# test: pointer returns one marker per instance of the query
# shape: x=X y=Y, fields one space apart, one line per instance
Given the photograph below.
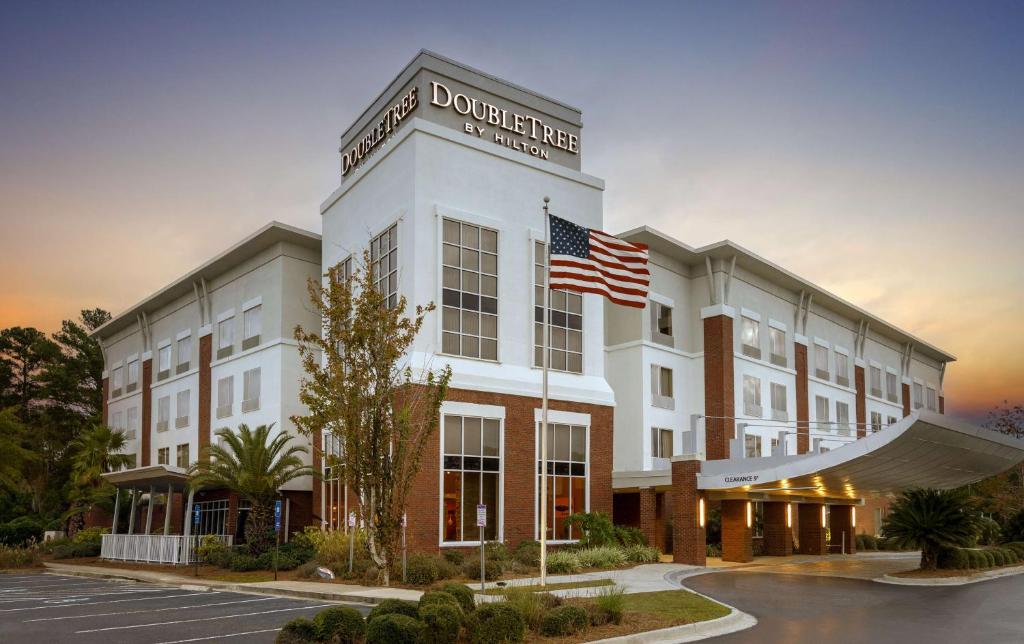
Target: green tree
x=96 y=451
x=931 y=520
x=255 y=466
x=361 y=387
x=15 y=456
x=25 y=353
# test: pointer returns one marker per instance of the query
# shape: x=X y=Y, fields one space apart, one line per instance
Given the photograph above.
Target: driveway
x=798 y=608
x=41 y=608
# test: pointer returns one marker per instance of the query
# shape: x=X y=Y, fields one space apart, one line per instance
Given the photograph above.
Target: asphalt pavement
x=798 y=609
x=42 y=608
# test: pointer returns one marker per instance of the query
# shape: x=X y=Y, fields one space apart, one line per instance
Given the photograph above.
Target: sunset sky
x=876 y=149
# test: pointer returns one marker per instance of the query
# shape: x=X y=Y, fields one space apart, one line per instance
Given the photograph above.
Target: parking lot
x=46 y=608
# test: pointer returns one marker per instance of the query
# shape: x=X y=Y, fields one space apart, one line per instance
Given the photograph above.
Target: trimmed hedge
x=567 y=619
x=394 y=628
x=463 y=595
x=297 y=631
x=340 y=625
x=442 y=621
x=492 y=568
x=496 y=623
x=435 y=597
x=395 y=607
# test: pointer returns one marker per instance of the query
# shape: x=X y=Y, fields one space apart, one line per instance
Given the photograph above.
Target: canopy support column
x=149 y=511
x=167 y=509
x=117 y=509
x=131 y=518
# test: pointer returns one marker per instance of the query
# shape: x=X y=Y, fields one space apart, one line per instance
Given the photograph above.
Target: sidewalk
x=296 y=589
x=644 y=578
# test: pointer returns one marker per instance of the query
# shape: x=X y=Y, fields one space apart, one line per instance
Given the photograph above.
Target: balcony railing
x=155 y=548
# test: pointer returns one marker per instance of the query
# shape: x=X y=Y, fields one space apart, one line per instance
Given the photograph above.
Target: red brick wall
x=205 y=393
x=719 y=383
x=147 y=410
x=737 y=536
x=689 y=540
x=300 y=511
x=778 y=537
x=519 y=467
x=906 y=400
x=649 y=515
x=942 y=404
x=626 y=509
x=106 y=400
x=840 y=518
x=862 y=401
x=803 y=438
x=812 y=534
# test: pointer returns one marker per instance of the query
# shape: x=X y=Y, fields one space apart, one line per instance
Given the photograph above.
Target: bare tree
x=361 y=387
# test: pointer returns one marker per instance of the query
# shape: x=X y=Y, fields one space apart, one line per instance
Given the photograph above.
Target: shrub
x=307 y=570
x=395 y=607
x=978 y=560
x=564 y=620
x=214 y=552
x=340 y=625
x=19 y=556
x=492 y=568
x=531 y=606
x=713 y=550
x=22 y=531
x=454 y=557
x=527 y=553
x=998 y=556
x=866 y=542
x=989 y=532
x=496 y=623
x=394 y=628
x=370 y=574
x=609 y=606
x=422 y=569
x=497 y=551
x=462 y=594
x=85 y=543
x=1016 y=546
x=931 y=520
x=630 y=536
x=953 y=559
x=432 y=597
x=242 y=562
x=563 y=562
x=298 y=549
x=297 y=631
x=990 y=557
x=285 y=561
x=601 y=557
x=641 y=554
x=442 y=621
x=596 y=528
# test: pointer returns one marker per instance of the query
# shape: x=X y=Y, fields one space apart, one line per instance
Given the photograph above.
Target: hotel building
x=736 y=367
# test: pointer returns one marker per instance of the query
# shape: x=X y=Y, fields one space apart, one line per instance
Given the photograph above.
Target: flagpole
x=544 y=402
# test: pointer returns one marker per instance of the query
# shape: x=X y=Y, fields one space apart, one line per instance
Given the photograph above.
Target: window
x=777 y=346
x=251 y=327
x=182 y=455
x=116 y=382
x=931 y=400
x=181 y=420
x=751 y=445
x=213 y=516
x=225 y=337
x=131 y=464
x=891 y=386
x=876 y=421
x=384 y=264
x=775 y=447
x=469 y=293
x=752 y=396
x=842 y=369
x=225 y=396
x=750 y=337
x=821 y=409
x=566 y=322
x=890 y=421
x=875 y=375
x=843 y=418
x=132 y=425
x=163 y=413
x=567 y=477
x=117 y=421
x=661 y=387
x=472 y=465
x=779 y=411
x=184 y=354
x=163 y=456
x=133 y=375
x=251 y=390
x=163 y=362
x=661 y=442
x=661 y=324
x=918 y=395
x=821 y=362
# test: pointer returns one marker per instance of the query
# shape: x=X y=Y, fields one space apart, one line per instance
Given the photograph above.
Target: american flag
x=590 y=261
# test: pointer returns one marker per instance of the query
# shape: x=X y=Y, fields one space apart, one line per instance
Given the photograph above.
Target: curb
x=961 y=580
x=735 y=621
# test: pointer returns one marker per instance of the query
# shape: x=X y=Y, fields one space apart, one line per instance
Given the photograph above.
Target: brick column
x=649 y=515
x=812 y=533
x=147 y=406
x=106 y=399
x=689 y=540
x=205 y=388
x=942 y=404
x=737 y=534
x=317 y=513
x=906 y=399
x=778 y=535
x=841 y=522
x=862 y=398
x=719 y=381
x=803 y=436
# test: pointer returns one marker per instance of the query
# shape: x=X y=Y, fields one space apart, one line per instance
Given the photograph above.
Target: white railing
x=155 y=548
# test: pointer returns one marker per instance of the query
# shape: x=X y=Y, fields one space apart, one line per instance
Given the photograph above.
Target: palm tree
x=96 y=451
x=931 y=520
x=251 y=464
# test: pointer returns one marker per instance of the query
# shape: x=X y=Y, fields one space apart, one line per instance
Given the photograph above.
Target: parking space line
x=149 y=610
x=200 y=619
x=217 y=637
x=108 y=601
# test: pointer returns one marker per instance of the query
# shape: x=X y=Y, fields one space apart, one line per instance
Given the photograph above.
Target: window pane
x=470 y=236
x=451 y=231
x=470 y=497
x=563 y=506
x=452 y=503
x=453 y=434
x=562 y=435
x=488 y=240
x=471 y=433
x=492 y=437
x=489 y=497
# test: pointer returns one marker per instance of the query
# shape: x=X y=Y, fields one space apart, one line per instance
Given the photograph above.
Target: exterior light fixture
x=823 y=522
x=853 y=517
x=750 y=514
x=700 y=512
x=789 y=515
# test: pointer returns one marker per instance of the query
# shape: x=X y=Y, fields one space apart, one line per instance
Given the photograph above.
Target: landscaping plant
x=930 y=520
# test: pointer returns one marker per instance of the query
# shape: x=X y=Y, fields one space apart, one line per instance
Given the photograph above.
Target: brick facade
x=649 y=514
x=841 y=528
x=147 y=410
x=519 y=469
x=862 y=401
x=803 y=436
x=719 y=386
x=810 y=530
x=689 y=538
x=778 y=536
x=737 y=533
x=205 y=393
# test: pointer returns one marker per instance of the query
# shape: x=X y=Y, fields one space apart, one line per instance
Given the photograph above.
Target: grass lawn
x=534 y=588
x=678 y=605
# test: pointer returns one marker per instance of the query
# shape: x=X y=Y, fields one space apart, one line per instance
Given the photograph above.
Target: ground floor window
x=334 y=491
x=567 y=477
x=471 y=459
x=213 y=517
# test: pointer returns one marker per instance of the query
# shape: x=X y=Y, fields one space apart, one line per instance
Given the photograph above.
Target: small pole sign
x=195 y=537
x=351 y=539
x=277 y=533
x=481 y=522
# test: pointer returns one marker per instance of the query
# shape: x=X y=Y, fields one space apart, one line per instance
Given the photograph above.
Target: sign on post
x=481 y=515
x=351 y=519
x=277 y=516
x=481 y=522
x=195 y=515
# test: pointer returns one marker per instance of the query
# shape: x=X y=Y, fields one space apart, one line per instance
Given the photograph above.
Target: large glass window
x=843 y=418
x=469 y=296
x=133 y=375
x=252 y=326
x=251 y=390
x=875 y=376
x=163 y=413
x=777 y=340
x=132 y=424
x=891 y=386
x=750 y=337
x=821 y=410
x=225 y=396
x=225 y=337
x=752 y=396
x=661 y=442
x=842 y=369
x=163 y=456
x=821 y=361
x=566 y=350
x=213 y=517
x=567 y=477
x=779 y=410
x=932 y=400
x=384 y=261
x=334 y=490
x=184 y=354
x=116 y=381
x=918 y=395
x=183 y=461
x=751 y=446
x=163 y=361
x=472 y=464
x=181 y=419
